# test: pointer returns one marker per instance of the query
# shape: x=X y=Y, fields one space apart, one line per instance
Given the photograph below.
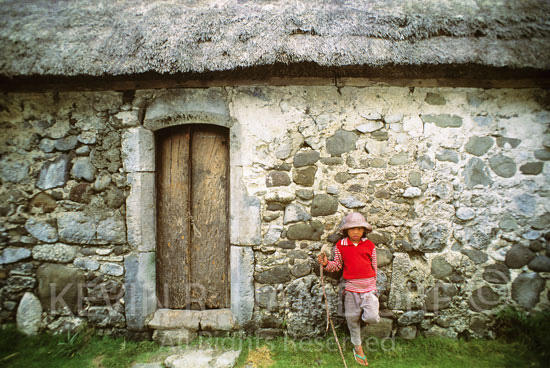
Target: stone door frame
x=138 y=150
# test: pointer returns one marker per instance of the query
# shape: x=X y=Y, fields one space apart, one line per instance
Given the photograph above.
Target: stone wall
x=63 y=207
x=454 y=182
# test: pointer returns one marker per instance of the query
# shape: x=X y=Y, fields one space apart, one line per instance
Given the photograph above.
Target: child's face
x=355 y=233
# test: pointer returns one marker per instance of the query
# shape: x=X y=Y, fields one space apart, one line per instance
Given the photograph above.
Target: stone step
x=204 y=358
x=197 y=358
x=206 y=320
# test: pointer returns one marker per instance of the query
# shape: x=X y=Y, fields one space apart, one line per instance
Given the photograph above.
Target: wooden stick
x=329 y=320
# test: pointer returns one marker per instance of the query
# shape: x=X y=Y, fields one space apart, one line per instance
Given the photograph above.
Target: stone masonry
x=453 y=180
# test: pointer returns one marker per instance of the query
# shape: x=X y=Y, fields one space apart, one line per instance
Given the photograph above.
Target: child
x=358 y=256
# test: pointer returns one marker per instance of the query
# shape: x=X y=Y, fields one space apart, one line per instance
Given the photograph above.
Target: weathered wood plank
x=173 y=182
x=209 y=199
x=99 y=84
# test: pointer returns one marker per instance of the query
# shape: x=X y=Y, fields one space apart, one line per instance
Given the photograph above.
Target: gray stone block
x=477 y=256
x=425 y=162
x=440 y=296
x=105 y=316
x=503 y=166
x=380 y=330
x=273 y=234
x=244 y=212
x=300 y=269
x=140 y=289
x=401 y=158
x=111 y=269
x=381 y=282
x=440 y=267
x=505 y=141
x=217 y=320
x=380 y=135
x=400 y=296
x=242 y=283
x=83 y=169
x=341 y=142
x=12 y=255
x=478 y=146
x=497 y=274
x=465 y=213
x=526 y=289
x=304 y=176
x=295 y=213
x=526 y=204
x=110 y=230
x=531 y=168
x=306 y=314
x=508 y=223
x=138 y=150
x=86 y=263
x=54 y=173
x=16 y=284
x=174 y=337
x=41 y=230
x=277 y=179
x=370 y=126
x=59 y=252
x=60 y=286
x=407 y=332
x=415 y=178
x=141 y=212
x=203 y=358
x=266 y=297
x=82 y=228
x=518 y=256
x=429 y=237
x=128 y=118
x=148 y=365
x=410 y=318
x=47 y=145
x=484 y=298
x=412 y=192
x=383 y=257
x=76 y=227
x=393 y=118
x=44 y=202
x=276 y=275
x=169 y=319
x=542 y=154
x=352 y=202
x=305 y=231
x=324 y=205
x=476 y=236
x=13 y=171
x=540 y=263
x=443 y=120
x=434 y=99
x=179 y=106
x=476 y=173
x=29 y=314
x=305 y=158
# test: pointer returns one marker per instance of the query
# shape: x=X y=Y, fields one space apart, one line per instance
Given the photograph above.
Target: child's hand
x=322 y=259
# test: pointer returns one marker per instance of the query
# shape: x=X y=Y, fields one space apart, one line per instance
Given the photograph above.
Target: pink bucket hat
x=355 y=219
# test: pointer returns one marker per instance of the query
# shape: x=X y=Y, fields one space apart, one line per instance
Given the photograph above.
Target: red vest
x=357 y=259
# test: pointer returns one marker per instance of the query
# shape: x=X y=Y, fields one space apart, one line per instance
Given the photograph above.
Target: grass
x=88 y=350
x=531 y=330
x=421 y=352
x=83 y=349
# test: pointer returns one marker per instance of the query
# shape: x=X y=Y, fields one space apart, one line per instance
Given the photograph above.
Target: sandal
x=362 y=360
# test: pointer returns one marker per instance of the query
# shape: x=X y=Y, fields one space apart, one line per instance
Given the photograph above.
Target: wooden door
x=192 y=217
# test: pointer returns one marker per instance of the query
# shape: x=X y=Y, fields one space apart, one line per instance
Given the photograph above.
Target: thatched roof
x=121 y=38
